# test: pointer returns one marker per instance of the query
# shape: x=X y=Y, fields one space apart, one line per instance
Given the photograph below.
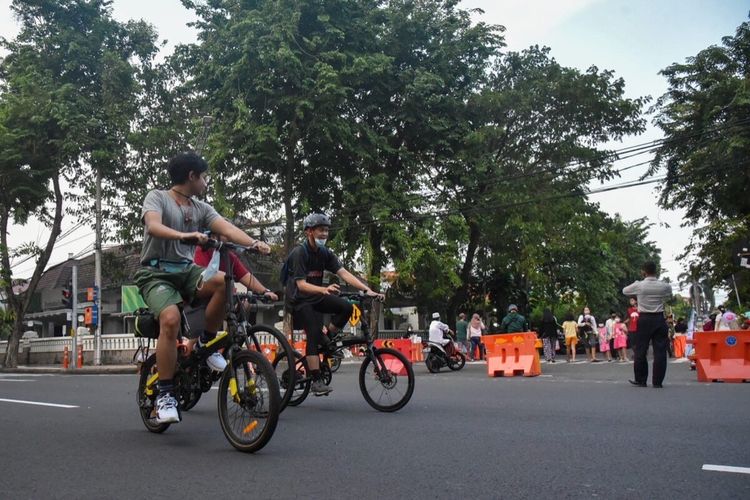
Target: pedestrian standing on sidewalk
x=548 y=332
x=604 y=336
x=461 y=326
x=570 y=329
x=513 y=322
x=632 y=321
x=588 y=329
x=476 y=328
x=610 y=325
x=621 y=339
x=652 y=327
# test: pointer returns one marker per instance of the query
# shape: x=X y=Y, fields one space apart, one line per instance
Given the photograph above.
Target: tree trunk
x=21 y=303
x=377 y=260
x=460 y=295
x=288 y=189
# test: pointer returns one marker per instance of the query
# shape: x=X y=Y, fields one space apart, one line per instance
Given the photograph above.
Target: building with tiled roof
x=119 y=264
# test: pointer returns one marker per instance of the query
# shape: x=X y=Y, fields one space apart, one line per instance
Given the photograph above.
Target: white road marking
x=16 y=380
x=36 y=403
x=726 y=468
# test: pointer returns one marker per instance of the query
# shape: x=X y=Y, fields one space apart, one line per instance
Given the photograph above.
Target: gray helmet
x=512 y=307
x=315 y=220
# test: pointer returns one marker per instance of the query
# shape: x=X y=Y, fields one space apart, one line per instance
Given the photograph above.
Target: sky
x=634 y=38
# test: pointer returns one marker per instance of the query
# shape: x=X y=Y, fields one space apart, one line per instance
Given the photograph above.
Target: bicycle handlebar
x=356 y=295
x=253 y=296
x=219 y=245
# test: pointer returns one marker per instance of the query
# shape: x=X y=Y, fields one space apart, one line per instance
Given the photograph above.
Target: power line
x=506 y=205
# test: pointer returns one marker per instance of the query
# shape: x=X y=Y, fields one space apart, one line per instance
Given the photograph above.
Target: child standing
x=570 y=328
x=621 y=339
x=604 y=341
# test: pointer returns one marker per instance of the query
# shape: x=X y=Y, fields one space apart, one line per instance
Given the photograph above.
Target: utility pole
x=74 y=316
x=98 y=271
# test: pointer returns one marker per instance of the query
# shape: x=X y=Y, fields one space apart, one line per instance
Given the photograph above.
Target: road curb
x=86 y=370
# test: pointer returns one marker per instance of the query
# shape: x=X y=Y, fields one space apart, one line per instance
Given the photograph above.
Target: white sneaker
x=166 y=409
x=216 y=362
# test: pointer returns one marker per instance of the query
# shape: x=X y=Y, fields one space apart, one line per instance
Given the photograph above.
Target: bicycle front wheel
x=282 y=359
x=387 y=380
x=249 y=401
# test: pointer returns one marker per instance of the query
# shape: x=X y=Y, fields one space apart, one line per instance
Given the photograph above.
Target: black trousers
x=310 y=318
x=652 y=328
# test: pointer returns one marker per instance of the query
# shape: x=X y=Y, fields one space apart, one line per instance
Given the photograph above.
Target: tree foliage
x=705 y=117
x=68 y=97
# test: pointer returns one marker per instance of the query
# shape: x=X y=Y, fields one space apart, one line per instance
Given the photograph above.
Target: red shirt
x=632 y=319
x=203 y=257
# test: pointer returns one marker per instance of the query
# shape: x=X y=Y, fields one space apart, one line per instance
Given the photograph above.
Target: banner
x=131 y=299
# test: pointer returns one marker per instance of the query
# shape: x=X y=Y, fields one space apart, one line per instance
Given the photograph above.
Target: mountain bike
x=249 y=401
x=386 y=377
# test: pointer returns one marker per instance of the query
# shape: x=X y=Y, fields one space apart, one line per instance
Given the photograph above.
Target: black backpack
x=286 y=268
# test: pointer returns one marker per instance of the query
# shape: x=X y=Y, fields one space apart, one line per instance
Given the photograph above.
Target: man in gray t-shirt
x=173 y=223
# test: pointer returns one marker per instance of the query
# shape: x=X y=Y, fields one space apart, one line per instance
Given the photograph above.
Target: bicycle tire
x=146 y=402
x=334 y=363
x=301 y=386
x=326 y=374
x=456 y=365
x=391 y=380
x=242 y=385
x=286 y=353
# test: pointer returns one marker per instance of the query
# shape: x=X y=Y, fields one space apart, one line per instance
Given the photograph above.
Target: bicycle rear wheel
x=146 y=396
x=283 y=359
x=387 y=380
x=300 y=383
x=249 y=401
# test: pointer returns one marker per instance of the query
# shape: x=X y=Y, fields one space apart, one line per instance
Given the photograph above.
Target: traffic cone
x=79 y=361
x=66 y=360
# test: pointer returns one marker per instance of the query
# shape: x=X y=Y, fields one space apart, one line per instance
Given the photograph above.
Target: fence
x=117 y=348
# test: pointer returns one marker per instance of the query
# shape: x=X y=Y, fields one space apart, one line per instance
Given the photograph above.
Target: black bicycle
x=386 y=377
x=249 y=401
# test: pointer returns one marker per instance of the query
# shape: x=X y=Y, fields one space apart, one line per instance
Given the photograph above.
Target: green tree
x=535 y=132
x=706 y=153
x=68 y=94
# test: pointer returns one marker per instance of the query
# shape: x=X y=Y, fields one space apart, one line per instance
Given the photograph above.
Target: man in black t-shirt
x=309 y=299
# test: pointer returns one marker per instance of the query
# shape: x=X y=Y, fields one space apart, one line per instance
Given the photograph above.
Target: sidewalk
x=85 y=370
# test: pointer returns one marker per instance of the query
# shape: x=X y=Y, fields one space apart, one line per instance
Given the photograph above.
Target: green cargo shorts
x=161 y=289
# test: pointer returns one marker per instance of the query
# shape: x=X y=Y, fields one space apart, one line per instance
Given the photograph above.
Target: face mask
x=320 y=242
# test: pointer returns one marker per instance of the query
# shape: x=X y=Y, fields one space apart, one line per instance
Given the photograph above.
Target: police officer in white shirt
x=652 y=326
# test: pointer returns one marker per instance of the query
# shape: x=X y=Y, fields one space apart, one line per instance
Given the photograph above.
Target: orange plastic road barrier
x=512 y=354
x=401 y=345
x=66 y=358
x=79 y=361
x=680 y=342
x=394 y=365
x=416 y=352
x=300 y=346
x=723 y=356
x=269 y=351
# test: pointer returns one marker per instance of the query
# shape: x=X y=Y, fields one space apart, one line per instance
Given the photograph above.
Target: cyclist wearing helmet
x=310 y=300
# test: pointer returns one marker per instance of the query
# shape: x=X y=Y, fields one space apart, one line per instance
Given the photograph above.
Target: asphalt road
x=578 y=431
